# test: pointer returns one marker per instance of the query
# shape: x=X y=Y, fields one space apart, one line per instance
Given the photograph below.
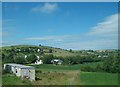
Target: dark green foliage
x=79 y=59
x=50 y=50
x=87 y=69
x=16 y=54
x=112 y=64
x=31 y=58
x=70 y=50
x=38 y=71
x=47 y=59
x=7 y=57
x=19 y=58
x=99 y=68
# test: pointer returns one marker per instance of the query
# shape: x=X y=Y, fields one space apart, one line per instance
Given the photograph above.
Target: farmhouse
x=38 y=62
x=21 y=70
x=56 y=61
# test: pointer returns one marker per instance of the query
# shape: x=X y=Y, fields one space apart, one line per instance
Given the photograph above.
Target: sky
x=67 y=25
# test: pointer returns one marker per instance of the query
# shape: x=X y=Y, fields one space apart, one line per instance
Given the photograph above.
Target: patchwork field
x=47 y=74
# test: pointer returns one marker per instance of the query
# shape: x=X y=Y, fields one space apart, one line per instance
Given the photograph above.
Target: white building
x=56 y=61
x=21 y=70
x=39 y=62
x=25 y=56
x=38 y=50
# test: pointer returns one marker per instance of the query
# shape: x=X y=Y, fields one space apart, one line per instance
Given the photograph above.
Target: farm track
x=73 y=78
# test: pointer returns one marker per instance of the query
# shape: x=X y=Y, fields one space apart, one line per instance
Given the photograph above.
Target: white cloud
x=50 y=38
x=91 y=44
x=102 y=36
x=46 y=8
x=109 y=27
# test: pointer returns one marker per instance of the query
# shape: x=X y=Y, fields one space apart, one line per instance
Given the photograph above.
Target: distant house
x=21 y=70
x=56 y=61
x=39 y=62
x=25 y=56
x=105 y=56
x=38 y=50
x=99 y=56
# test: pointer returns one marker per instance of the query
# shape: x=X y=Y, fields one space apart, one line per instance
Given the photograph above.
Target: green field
x=96 y=78
x=64 y=67
x=48 y=74
x=10 y=79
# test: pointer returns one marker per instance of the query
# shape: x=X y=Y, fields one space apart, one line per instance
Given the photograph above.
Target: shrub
x=87 y=69
x=38 y=71
x=37 y=78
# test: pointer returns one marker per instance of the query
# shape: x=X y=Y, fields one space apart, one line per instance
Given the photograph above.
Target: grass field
x=10 y=79
x=48 y=74
x=97 y=78
x=64 y=67
x=58 y=78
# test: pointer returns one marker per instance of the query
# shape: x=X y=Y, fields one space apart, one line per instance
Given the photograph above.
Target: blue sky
x=68 y=25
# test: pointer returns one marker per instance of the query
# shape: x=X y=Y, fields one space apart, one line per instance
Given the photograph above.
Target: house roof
x=56 y=60
x=20 y=66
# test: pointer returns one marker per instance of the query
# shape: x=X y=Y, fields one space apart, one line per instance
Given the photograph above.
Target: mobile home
x=21 y=70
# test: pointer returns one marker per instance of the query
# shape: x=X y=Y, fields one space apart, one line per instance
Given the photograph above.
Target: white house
x=56 y=61
x=19 y=50
x=99 y=56
x=38 y=50
x=21 y=70
x=25 y=56
x=105 y=56
x=38 y=61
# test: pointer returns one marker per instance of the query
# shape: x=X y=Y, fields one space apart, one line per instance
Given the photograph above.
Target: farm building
x=56 y=61
x=21 y=70
x=38 y=62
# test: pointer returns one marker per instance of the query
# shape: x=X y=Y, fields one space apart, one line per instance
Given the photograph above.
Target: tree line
x=110 y=65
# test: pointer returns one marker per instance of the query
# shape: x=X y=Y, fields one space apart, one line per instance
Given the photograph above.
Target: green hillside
x=55 y=51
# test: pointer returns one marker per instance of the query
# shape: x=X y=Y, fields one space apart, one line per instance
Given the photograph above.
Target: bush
x=25 y=81
x=37 y=78
x=38 y=71
x=4 y=72
x=87 y=69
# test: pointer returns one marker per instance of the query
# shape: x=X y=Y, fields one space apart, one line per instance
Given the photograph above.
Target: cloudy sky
x=65 y=25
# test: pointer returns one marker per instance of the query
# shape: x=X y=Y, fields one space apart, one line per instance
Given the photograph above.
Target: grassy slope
x=56 y=51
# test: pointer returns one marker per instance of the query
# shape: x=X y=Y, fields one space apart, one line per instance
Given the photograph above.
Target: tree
x=112 y=64
x=19 y=58
x=50 y=50
x=31 y=58
x=7 y=57
x=47 y=58
x=70 y=50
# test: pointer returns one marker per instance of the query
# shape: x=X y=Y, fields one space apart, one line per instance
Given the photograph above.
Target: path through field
x=73 y=78
x=58 y=78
